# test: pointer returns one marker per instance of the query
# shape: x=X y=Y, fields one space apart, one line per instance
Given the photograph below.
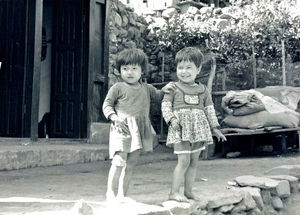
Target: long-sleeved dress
x=192 y=105
x=131 y=103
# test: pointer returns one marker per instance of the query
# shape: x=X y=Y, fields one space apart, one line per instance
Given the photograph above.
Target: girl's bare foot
x=124 y=199
x=191 y=196
x=177 y=197
x=110 y=197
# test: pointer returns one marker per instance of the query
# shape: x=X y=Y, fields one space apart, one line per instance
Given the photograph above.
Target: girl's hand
x=219 y=134
x=120 y=124
x=175 y=123
x=169 y=87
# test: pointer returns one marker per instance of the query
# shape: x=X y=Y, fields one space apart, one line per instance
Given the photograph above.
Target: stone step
x=20 y=153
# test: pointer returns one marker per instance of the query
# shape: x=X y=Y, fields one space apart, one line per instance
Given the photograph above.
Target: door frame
x=92 y=79
x=32 y=74
x=33 y=65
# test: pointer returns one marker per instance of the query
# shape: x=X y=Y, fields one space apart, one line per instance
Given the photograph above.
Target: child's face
x=131 y=73
x=187 y=71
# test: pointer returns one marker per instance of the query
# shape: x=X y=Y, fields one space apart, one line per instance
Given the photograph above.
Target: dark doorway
x=68 y=75
x=12 y=72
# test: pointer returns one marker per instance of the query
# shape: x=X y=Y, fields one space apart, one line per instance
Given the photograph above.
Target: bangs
x=190 y=54
x=132 y=57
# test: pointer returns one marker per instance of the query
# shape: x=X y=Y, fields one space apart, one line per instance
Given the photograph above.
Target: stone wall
x=128 y=30
x=270 y=194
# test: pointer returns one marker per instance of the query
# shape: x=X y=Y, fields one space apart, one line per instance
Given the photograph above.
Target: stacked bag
x=262 y=107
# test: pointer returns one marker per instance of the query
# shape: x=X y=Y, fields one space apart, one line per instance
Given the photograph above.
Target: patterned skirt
x=195 y=131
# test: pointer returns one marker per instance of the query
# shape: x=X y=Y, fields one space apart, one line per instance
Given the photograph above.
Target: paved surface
x=43 y=189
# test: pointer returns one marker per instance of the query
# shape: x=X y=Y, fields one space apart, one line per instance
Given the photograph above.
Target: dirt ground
x=150 y=184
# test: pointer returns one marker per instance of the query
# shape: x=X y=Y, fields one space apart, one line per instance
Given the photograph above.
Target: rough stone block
x=253 y=181
x=224 y=199
x=292 y=180
x=282 y=190
x=82 y=208
x=293 y=170
x=287 y=201
x=198 y=205
x=254 y=192
x=266 y=196
x=226 y=208
x=248 y=201
x=239 y=208
x=199 y=212
x=277 y=203
x=269 y=210
x=255 y=211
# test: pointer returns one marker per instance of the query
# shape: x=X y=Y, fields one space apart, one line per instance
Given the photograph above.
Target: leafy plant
x=251 y=29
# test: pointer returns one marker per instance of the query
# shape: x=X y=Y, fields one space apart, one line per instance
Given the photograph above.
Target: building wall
x=146 y=6
x=45 y=80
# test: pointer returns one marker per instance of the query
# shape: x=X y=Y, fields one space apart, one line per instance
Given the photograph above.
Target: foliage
x=250 y=27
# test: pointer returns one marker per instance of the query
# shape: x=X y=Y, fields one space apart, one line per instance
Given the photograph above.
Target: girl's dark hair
x=132 y=56
x=191 y=54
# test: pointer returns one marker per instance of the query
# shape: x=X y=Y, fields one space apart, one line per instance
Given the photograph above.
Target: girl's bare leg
x=127 y=173
x=190 y=175
x=178 y=176
x=113 y=181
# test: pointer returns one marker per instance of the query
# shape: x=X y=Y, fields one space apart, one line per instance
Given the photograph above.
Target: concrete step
x=20 y=153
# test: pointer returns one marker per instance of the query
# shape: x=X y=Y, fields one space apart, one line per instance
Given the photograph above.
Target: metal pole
x=254 y=67
x=162 y=80
x=283 y=63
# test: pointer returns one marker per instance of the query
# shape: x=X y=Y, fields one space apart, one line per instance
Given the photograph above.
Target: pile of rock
x=248 y=195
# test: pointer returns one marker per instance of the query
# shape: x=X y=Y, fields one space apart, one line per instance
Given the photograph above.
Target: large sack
x=262 y=119
x=287 y=95
x=248 y=108
x=239 y=103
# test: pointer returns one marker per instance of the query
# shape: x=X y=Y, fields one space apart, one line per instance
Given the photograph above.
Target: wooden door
x=68 y=76
x=12 y=56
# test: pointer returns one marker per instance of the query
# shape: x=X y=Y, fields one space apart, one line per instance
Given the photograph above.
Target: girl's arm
x=169 y=116
x=108 y=107
x=211 y=117
x=219 y=135
x=109 y=110
x=167 y=108
x=157 y=95
x=210 y=110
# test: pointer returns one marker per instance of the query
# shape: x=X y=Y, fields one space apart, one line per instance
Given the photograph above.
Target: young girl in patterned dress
x=190 y=113
x=127 y=105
